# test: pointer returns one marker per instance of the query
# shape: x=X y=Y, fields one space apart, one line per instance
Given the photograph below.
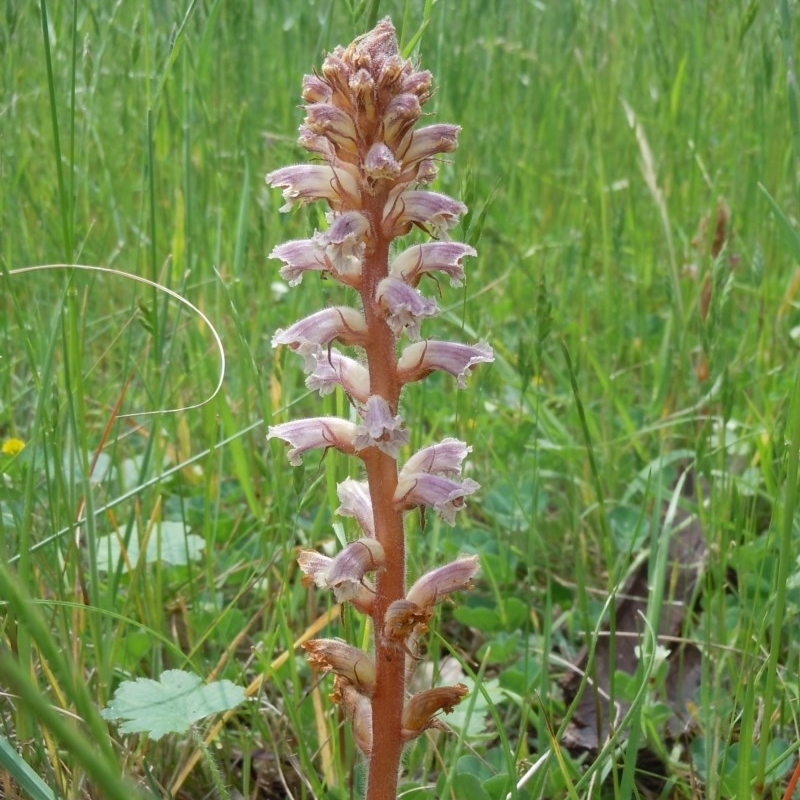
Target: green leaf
x=466 y=785
x=169 y=543
x=171 y=705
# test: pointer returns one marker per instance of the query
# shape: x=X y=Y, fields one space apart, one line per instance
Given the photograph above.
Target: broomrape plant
x=373 y=168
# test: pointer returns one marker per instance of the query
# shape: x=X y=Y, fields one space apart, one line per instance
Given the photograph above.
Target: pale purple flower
x=437 y=584
x=315 y=143
x=345 y=573
x=380 y=428
x=332 y=369
x=401 y=114
x=299 y=256
x=313 y=432
x=338 y=323
x=333 y=123
x=315 y=90
x=413 y=263
x=421 y=358
x=304 y=183
x=444 y=495
x=443 y=458
x=356 y=502
x=405 y=307
x=431 y=211
x=343 y=244
x=426 y=142
x=380 y=163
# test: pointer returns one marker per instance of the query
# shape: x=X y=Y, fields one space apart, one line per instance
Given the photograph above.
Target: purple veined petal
x=443 y=458
x=315 y=143
x=343 y=244
x=356 y=502
x=401 y=113
x=413 y=263
x=313 y=432
x=299 y=256
x=405 y=307
x=429 y=141
x=315 y=90
x=304 y=183
x=430 y=211
x=333 y=123
x=345 y=573
x=338 y=323
x=332 y=369
x=380 y=163
x=444 y=495
x=436 y=585
x=380 y=428
x=421 y=358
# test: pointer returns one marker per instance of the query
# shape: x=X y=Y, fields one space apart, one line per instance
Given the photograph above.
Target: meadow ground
x=631 y=170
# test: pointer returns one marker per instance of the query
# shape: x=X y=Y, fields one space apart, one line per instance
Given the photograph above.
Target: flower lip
x=444 y=495
x=380 y=428
x=405 y=306
x=332 y=369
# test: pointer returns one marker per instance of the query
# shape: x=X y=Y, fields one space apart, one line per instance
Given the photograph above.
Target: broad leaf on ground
x=170 y=705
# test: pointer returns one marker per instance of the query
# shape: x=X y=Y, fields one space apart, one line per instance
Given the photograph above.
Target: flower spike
x=373 y=168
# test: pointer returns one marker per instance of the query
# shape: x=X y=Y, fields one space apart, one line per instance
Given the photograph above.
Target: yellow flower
x=12 y=447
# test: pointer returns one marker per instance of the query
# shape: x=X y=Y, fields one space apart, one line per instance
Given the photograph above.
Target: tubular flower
x=332 y=369
x=381 y=428
x=303 y=183
x=300 y=256
x=435 y=585
x=405 y=307
x=335 y=324
x=335 y=655
x=373 y=171
x=421 y=358
x=444 y=495
x=306 y=434
x=419 y=713
x=345 y=573
x=421 y=259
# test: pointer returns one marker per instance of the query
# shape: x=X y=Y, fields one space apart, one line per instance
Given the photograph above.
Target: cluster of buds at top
x=371 y=168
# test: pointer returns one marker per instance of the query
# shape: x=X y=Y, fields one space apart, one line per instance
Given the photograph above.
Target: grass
x=597 y=143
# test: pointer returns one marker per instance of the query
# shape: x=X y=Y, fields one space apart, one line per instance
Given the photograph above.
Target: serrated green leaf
x=170 y=705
